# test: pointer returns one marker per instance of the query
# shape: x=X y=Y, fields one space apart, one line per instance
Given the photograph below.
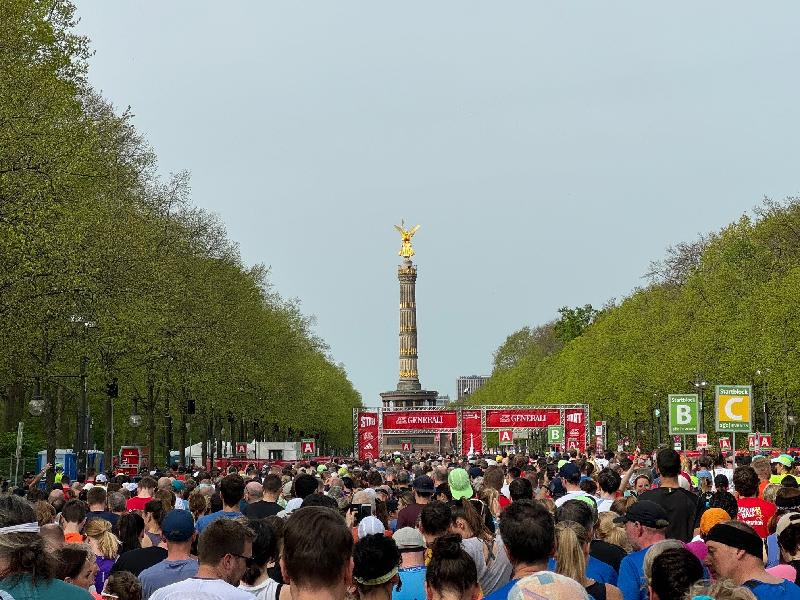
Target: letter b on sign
x=683 y=414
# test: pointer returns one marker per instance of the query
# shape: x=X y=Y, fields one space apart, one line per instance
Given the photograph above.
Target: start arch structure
x=373 y=428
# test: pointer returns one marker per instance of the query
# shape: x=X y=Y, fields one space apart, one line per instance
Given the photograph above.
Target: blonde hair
x=653 y=552
x=570 y=558
x=490 y=496
x=723 y=589
x=99 y=530
x=610 y=532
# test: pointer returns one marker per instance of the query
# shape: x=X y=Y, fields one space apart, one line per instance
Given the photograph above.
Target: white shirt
x=570 y=496
x=201 y=589
x=266 y=590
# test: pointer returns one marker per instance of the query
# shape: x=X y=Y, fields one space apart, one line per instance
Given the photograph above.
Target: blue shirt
x=164 y=573
x=500 y=593
x=413 y=587
x=786 y=590
x=204 y=522
x=631 y=576
x=595 y=569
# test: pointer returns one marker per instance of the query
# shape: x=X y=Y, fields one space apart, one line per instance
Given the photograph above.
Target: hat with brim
x=783 y=459
x=645 y=513
x=423 y=484
x=409 y=539
x=460 y=487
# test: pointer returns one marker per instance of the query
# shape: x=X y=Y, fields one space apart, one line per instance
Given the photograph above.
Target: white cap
x=369 y=526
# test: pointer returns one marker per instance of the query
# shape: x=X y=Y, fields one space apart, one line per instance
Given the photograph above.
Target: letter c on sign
x=728 y=409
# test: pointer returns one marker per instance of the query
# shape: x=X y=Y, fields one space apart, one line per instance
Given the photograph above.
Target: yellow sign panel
x=733 y=408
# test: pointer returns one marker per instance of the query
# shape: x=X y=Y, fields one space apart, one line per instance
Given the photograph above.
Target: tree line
x=723 y=309
x=108 y=265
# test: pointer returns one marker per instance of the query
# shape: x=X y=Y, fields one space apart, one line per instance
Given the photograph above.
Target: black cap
x=475 y=472
x=646 y=513
x=423 y=484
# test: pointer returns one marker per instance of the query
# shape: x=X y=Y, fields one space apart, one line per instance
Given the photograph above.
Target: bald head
x=253 y=492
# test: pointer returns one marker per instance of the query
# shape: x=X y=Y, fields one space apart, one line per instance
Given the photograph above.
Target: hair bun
x=447 y=546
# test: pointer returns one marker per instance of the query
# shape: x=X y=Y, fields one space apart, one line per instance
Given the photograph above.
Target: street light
x=36 y=405
x=135 y=419
x=700 y=384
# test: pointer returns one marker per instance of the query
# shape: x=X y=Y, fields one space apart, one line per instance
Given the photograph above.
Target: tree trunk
x=204 y=441
x=182 y=436
x=108 y=450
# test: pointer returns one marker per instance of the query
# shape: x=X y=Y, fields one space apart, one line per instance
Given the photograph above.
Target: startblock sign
x=733 y=408
x=683 y=414
x=555 y=435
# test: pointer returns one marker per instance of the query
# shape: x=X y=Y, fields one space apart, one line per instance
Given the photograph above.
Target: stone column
x=409 y=377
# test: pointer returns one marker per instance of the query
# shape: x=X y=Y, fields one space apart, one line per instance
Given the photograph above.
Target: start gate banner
x=575 y=428
x=522 y=417
x=471 y=432
x=420 y=420
x=368 y=442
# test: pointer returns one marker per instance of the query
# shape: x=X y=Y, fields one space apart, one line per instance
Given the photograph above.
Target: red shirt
x=503 y=501
x=136 y=503
x=756 y=513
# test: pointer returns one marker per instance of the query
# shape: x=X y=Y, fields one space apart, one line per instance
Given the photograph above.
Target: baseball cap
x=178 y=485
x=569 y=470
x=783 y=459
x=101 y=478
x=369 y=526
x=546 y=584
x=475 y=472
x=178 y=525
x=458 y=479
x=646 y=513
x=785 y=521
x=321 y=468
x=423 y=484
x=498 y=458
x=704 y=475
x=408 y=539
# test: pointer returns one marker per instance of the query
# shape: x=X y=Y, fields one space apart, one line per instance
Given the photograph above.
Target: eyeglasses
x=249 y=561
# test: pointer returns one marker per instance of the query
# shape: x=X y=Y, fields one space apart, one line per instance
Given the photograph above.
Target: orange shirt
x=761 y=487
x=73 y=538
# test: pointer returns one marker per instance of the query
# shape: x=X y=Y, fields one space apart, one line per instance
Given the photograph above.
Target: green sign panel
x=555 y=434
x=684 y=416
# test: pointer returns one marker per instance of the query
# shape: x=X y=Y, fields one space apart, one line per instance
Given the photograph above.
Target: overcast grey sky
x=550 y=151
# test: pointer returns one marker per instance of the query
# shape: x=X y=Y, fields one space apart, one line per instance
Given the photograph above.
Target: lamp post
x=765 y=393
x=700 y=385
x=135 y=419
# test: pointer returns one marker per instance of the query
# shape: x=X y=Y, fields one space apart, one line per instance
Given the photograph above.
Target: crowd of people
x=561 y=526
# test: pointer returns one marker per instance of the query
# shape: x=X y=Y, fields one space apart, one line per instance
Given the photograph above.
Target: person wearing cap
x=412 y=571
x=735 y=551
x=752 y=510
x=423 y=490
x=679 y=504
x=645 y=524
x=783 y=466
x=177 y=530
x=570 y=475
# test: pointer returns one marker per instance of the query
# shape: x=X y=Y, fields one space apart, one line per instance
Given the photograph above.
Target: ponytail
x=570 y=559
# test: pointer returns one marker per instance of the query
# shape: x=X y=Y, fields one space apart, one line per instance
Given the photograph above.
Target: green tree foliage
x=90 y=233
x=726 y=306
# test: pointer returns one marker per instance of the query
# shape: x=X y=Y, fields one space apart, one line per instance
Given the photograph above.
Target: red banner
x=368 y=447
x=420 y=420
x=575 y=428
x=522 y=417
x=471 y=434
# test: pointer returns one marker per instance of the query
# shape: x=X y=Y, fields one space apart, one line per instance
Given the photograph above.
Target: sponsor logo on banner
x=406 y=446
x=420 y=420
x=533 y=417
x=367 y=435
x=471 y=432
x=506 y=437
x=576 y=428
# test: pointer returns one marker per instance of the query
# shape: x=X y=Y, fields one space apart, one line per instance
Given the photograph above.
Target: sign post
x=684 y=418
x=555 y=435
x=308 y=446
x=733 y=408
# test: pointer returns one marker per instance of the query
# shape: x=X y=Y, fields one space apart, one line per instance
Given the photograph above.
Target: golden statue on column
x=406 y=251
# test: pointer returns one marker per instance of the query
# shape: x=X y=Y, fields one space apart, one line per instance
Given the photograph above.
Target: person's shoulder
x=66 y=591
x=152 y=570
x=502 y=592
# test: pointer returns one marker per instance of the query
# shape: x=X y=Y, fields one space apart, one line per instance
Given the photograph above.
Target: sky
x=550 y=151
